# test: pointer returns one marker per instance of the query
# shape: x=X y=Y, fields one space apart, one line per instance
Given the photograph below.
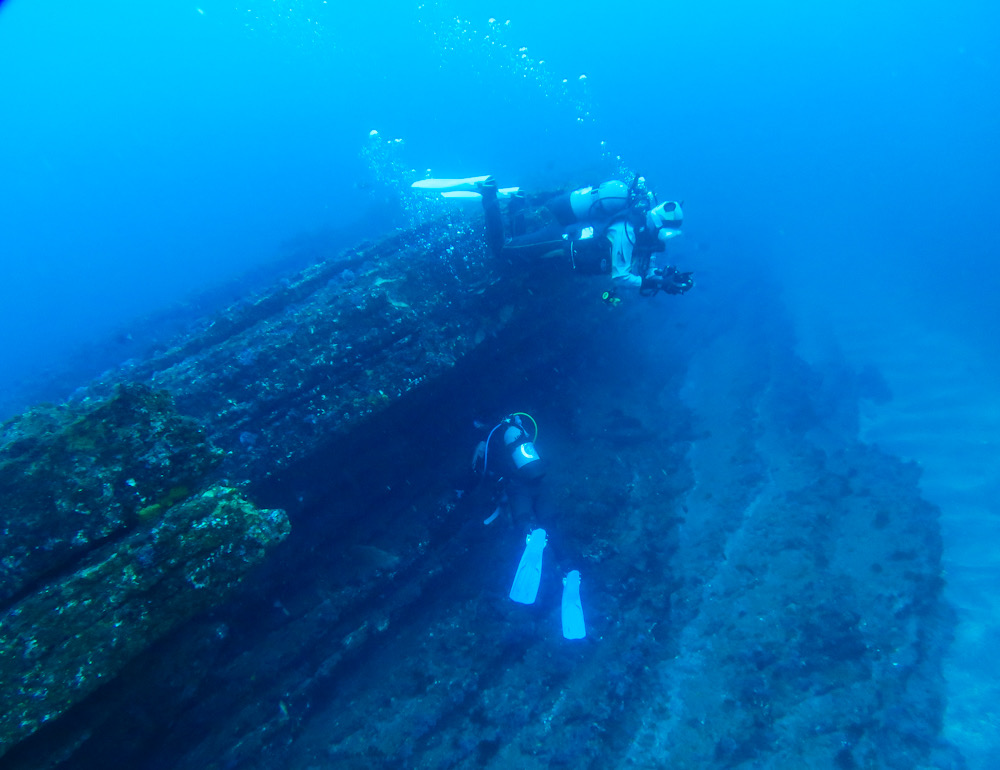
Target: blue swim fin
x=529 y=571
x=503 y=193
x=572 y=608
x=469 y=187
x=468 y=184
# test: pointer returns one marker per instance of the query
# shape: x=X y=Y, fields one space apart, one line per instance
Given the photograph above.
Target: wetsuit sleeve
x=621 y=255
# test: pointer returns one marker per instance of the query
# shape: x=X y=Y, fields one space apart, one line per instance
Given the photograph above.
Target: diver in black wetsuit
x=508 y=460
x=610 y=229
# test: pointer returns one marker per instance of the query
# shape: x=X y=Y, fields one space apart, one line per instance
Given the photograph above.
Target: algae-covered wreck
x=761 y=588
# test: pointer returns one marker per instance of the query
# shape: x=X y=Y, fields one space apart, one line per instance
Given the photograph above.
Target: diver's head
x=667 y=214
x=665 y=220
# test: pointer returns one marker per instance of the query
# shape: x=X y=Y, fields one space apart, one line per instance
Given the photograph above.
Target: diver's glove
x=650 y=284
x=672 y=281
x=667 y=279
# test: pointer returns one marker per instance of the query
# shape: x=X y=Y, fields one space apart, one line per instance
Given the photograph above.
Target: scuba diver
x=611 y=229
x=507 y=458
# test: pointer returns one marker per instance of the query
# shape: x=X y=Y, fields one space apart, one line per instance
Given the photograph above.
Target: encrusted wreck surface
x=760 y=589
x=93 y=567
x=62 y=641
x=276 y=375
x=73 y=478
x=106 y=548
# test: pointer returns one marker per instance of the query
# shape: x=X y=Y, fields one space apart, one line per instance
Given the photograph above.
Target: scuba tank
x=527 y=463
x=590 y=203
x=522 y=451
x=599 y=202
x=517 y=442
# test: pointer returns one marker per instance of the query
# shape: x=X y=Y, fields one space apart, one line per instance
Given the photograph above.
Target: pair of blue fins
x=468 y=187
x=529 y=574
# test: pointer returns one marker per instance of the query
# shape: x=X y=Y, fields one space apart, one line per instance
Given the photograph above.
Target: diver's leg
x=519 y=504
x=562 y=208
x=494 y=221
x=544 y=243
x=541 y=506
x=516 y=207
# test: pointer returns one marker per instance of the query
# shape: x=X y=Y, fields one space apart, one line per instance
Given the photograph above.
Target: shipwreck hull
x=761 y=590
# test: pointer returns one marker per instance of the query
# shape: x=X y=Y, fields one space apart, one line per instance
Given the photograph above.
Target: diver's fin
x=529 y=571
x=461 y=195
x=469 y=184
x=572 y=608
x=460 y=188
x=502 y=193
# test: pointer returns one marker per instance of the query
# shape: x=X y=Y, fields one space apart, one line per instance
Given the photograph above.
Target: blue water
x=149 y=152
